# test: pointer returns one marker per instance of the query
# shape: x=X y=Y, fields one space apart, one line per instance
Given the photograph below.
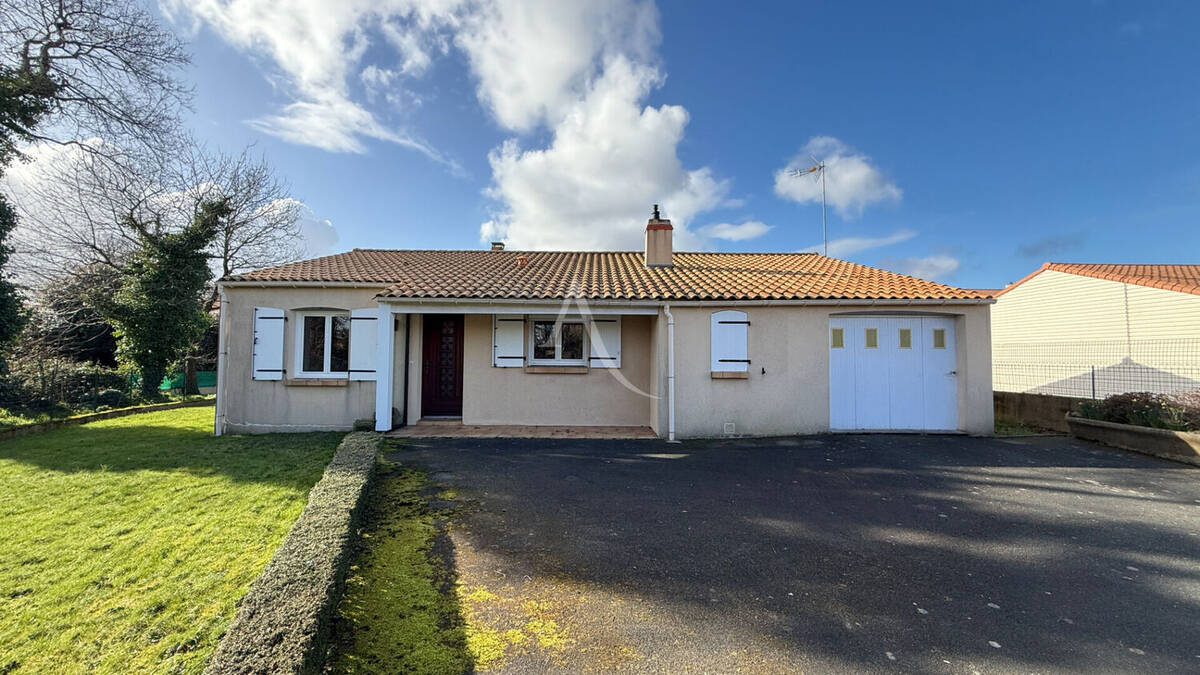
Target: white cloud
x=415 y=57
x=337 y=125
x=844 y=246
x=534 y=59
x=578 y=69
x=315 y=46
x=852 y=183
x=728 y=231
x=319 y=235
x=610 y=159
x=929 y=267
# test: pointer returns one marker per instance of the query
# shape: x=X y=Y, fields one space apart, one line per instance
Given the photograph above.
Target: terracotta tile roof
x=1182 y=278
x=616 y=275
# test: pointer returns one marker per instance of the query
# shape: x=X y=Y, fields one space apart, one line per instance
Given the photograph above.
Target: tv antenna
x=818 y=168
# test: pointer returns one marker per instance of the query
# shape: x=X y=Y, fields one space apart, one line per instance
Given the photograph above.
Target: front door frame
x=438 y=400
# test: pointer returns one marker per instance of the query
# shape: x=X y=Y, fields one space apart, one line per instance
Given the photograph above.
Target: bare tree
x=263 y=226
x=104 y=68
x=74 y=210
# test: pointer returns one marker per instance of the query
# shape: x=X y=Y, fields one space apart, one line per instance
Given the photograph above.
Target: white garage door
x=892 y=373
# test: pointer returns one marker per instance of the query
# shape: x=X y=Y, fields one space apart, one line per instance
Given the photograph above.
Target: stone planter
x=1180 y=446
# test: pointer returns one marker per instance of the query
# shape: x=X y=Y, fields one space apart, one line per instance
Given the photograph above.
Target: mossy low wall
x=1035 y=410
x=49 y=425
x=1179 y=446
x=283 y=622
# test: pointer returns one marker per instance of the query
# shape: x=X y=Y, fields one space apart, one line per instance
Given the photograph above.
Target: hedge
x=283 y=623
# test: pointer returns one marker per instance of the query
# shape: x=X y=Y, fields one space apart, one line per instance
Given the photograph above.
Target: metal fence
x=1097 y=369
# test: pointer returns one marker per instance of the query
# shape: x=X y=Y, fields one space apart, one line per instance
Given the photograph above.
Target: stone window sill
x=556 y=370
x=315 y=382
x=729 y=375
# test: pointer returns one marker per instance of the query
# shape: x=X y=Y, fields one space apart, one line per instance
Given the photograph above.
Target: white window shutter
x=364 y=338
x=730 y=342
x=268 y=343
x=508 y=341
x=606 y=342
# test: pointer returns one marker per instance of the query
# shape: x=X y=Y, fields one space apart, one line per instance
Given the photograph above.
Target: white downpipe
x=670 y=374
x=222 y=364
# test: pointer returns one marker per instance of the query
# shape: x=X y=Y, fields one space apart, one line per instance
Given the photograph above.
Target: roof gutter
x=691 y=303
x=246 y=283
x=621 y=302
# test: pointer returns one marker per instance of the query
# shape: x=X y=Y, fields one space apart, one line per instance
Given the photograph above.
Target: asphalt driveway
x=826 y=553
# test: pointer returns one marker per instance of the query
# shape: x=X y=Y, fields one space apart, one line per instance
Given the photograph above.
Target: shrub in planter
x=1142 y=408
x=110 y=398
x=1189 y=403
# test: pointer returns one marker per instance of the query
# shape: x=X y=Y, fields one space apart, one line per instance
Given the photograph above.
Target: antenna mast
x=818 y=168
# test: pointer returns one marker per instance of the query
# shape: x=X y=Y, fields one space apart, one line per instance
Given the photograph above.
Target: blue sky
x=968 y=142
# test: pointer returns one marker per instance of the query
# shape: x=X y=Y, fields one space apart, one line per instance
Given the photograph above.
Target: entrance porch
x=518 y=369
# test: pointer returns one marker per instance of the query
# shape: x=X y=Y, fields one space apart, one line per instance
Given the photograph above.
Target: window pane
x=905 y=338
x=543 y=339
x=572 y=341
x=314 y=344
x=872 y=337
x=837 y=339
x=339 y=346
x=939 y=338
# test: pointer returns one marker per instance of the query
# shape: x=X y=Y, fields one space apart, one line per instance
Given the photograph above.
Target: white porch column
x=383 y=369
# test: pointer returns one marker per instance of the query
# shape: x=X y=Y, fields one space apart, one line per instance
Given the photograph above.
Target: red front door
x=442 y=366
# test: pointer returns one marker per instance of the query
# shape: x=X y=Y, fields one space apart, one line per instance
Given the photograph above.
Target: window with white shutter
x=730 y=342
x=364 y=336
x=606 y=342
x=508 y=341
x=268 y=344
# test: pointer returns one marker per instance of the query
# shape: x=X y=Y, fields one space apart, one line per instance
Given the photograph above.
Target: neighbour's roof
x=1182 y=278
x=616 y=275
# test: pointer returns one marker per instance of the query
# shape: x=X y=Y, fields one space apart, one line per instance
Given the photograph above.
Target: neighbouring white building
x=1096 y=329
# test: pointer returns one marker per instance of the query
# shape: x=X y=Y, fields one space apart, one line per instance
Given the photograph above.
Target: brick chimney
x=658 y=241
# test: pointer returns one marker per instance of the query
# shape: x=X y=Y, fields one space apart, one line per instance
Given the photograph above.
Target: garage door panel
x=841 y=389
x=941 y=378
x=905 y=374
x=871 y=390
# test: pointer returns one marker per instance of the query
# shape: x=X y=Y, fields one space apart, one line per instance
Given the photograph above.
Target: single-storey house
x=1083 y=330
x=687 y=344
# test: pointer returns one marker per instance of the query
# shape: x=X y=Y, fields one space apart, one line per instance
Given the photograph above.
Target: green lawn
x=126 y=543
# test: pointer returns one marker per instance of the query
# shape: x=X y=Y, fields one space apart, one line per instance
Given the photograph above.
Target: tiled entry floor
x=456 y=429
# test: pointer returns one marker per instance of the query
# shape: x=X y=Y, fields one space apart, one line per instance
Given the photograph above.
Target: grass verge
x=13 y=417
x=127 y=542
x=400 y=612
x=1009 y=427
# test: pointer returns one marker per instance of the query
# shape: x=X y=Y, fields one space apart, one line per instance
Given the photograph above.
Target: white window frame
x=299 y=346
x=557 y=360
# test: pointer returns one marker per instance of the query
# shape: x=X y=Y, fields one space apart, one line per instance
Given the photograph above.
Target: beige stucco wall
x=512 y=396
x=254 y=406
x=790 y=343
x=792 y=395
